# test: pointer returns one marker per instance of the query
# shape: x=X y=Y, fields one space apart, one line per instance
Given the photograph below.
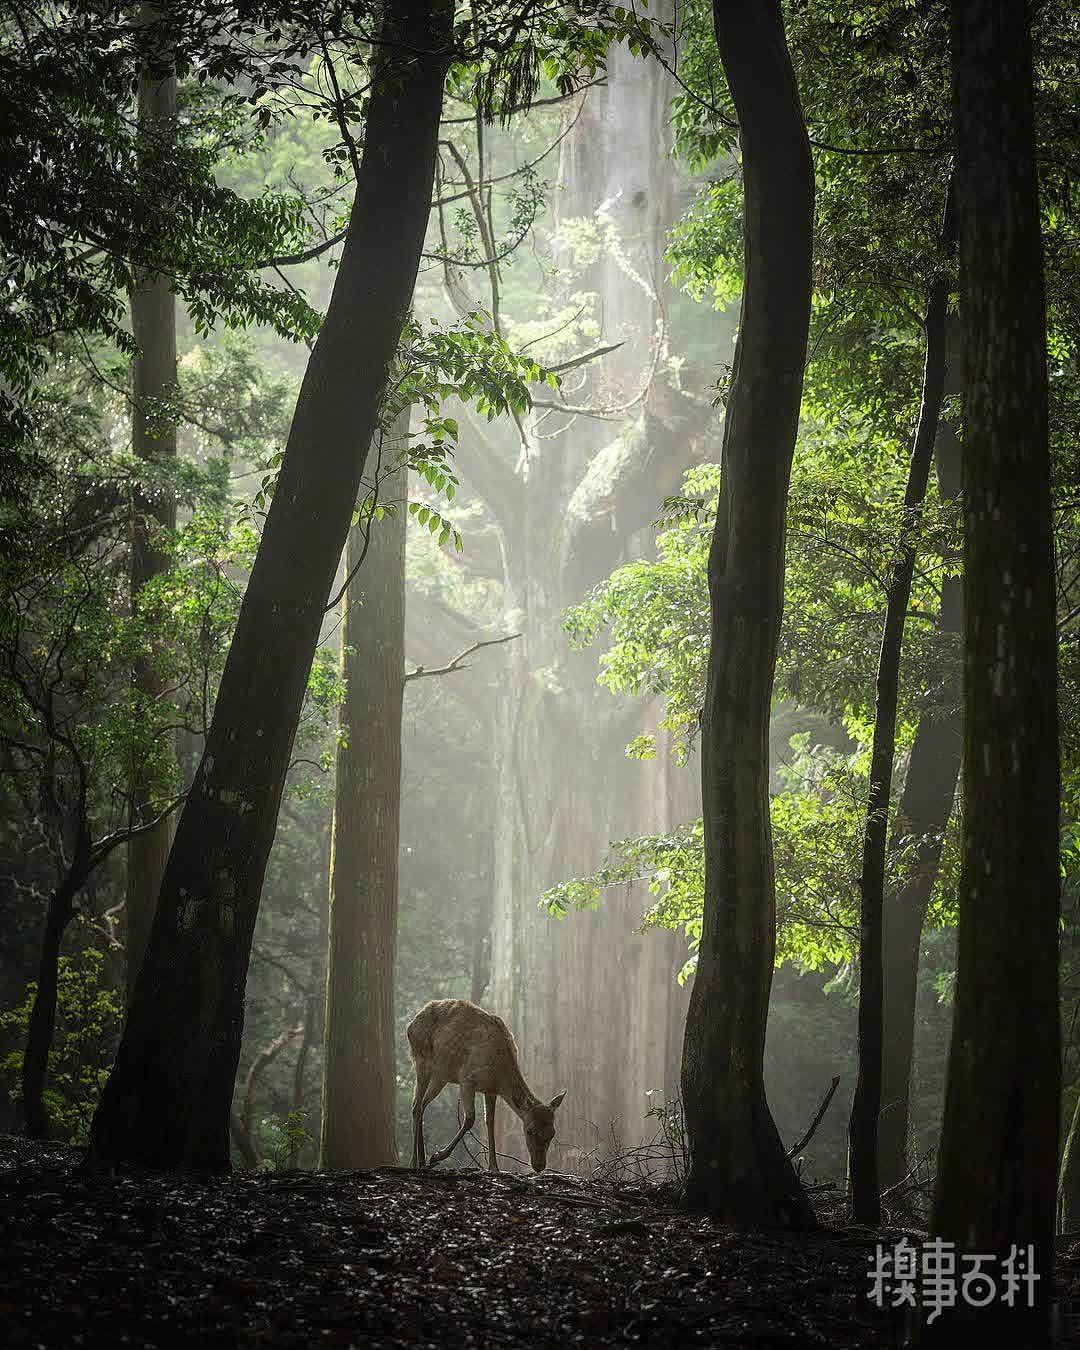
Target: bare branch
x=420 y=673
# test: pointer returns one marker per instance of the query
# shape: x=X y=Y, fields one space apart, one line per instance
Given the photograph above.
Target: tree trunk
x=153 y=437
x=315 y=998
x=866 y=1104
x=1069 y=1179
x=739 y=1170
x=167 y=1101
x=359 y=1064
x=590 y=1000
x=923 y=812
x=39 y=1034
x=997 y=1173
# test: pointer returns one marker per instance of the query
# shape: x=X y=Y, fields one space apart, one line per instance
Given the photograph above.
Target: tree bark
x=153 y=437
x=997 y=1173
x=866 y=1104
x=167 y=1101
x=739 y=1170
x=555 y=813
x=359 y=1055
x=923 y=812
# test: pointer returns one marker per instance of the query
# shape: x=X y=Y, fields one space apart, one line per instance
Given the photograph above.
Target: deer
x=454 y=1041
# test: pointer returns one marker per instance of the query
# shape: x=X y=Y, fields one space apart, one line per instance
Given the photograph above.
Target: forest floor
x=287 y=1260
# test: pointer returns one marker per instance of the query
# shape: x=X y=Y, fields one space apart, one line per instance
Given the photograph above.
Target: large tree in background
x=167 y=1101
x=359 y=1054
x=997 y=1164
x=738 y=1166
x=153 y=436
x=573 y=495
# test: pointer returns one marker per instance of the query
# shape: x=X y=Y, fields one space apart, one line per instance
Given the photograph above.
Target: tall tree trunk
x=739 y=1170
x=42 y=1027
x=153 y=436
x=359 y=1062
x=922 y=813
x=167 y=1101
x=997 y=1173
x=866 y=1104
x=588 y=493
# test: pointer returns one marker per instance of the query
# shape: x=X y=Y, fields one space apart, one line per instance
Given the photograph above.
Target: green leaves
x=436 y=524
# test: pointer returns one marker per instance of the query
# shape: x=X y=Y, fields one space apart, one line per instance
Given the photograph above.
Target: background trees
x=567 y=400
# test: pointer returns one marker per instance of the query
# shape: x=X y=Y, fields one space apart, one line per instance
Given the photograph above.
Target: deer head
x=539 y=1123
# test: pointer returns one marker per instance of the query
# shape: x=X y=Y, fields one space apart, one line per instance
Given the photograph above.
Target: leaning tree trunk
x=922 y=814
x=359 y=1063
x=153 y=436
x=866 y=1104
x=167 y=1101
x=739 y=1170
x=998 y=1157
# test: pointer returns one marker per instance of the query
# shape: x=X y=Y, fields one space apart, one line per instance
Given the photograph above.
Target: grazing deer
x=454 y=1041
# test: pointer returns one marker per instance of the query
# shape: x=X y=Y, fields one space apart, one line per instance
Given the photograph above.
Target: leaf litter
x=388 y=1258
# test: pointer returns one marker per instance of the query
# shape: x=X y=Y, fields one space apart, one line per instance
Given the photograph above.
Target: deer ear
x=556 y=1102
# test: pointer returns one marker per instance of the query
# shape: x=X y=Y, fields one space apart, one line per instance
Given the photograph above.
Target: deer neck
x=519 y=1096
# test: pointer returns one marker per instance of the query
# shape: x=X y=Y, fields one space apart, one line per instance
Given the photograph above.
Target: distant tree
x=359 y=1053
x=739 y=1169
x=922 y=818
x=866 y=1106
x=997 y=1170
x=153 y=435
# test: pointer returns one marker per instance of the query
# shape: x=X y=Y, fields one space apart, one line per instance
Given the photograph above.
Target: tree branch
x=421 y=673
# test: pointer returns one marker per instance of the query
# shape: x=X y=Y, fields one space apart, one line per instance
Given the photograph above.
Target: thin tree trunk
x=153 y=437
x=739 y=1170
x=39 y=1034
x=997 y=1174
x=167 y=1101
x=923 y=813
x=866 y=1104
x=1069 y=1179
x=359 y=1050
x=315 y=1000
x=242 y=1122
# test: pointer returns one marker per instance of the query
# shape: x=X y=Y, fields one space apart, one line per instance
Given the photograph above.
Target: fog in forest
x=550 y=862
x=515 y=772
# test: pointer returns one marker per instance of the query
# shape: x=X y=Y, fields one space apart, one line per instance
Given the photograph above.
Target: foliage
x=89 y=1016
x=817 y=840
x=290 y=1135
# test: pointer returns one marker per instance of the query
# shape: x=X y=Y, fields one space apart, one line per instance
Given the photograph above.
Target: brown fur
x=454 y=1041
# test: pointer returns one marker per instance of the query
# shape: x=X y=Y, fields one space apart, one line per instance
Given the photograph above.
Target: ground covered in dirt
x=387 y=1258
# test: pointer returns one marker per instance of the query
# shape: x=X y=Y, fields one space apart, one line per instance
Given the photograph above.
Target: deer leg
x=468 y=1103
x=490 y=1102
x=418 y=1105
